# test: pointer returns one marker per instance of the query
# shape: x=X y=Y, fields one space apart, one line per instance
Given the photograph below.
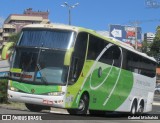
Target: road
x=47 y=116
x=156 y=105
x=62 y=117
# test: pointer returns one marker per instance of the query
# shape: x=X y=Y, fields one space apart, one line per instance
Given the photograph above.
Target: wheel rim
x=81 y=105
x=141 y=109
x=133 y=110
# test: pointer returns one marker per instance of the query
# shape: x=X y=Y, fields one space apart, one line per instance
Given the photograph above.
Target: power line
x=1 y=21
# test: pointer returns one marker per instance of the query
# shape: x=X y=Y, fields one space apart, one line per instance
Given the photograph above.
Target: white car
x=157 y=89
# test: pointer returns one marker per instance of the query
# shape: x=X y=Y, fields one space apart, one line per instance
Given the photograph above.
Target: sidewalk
x=12 y=105
x=21 y=106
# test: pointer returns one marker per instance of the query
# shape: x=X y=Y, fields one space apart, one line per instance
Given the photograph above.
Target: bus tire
x=83 y=106
x=33 y=107
x=141 y=107
x=133 y=108
x=157 y=92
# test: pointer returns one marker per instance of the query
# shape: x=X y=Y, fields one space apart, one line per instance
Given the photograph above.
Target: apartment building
x=149 y=37
x=15 y=22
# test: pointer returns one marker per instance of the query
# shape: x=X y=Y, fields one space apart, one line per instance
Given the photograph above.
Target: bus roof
x=81 y=29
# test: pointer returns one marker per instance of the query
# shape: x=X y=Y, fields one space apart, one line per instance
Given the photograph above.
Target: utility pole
x=1 y=21
x=135 y=24
x=69 y=10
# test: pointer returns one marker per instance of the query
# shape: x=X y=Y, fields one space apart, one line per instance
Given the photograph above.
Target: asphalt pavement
x=61 y=116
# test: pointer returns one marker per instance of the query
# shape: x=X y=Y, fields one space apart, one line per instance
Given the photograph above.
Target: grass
x=13 y=105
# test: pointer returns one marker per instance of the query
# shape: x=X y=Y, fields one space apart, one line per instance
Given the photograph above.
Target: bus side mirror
x=7 y=50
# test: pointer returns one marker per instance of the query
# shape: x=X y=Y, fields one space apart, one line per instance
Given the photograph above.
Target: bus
x=77 y=69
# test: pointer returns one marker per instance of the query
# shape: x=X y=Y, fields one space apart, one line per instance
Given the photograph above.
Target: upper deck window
x=56 y=39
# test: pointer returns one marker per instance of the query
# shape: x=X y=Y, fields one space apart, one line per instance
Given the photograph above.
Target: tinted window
x=140 y=64
x=78 y=57
x=58 y=39
x=112 y=56
x=96 y=45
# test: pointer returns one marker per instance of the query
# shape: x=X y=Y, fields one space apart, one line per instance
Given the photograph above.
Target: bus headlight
x=56 y=93
x=13 y=89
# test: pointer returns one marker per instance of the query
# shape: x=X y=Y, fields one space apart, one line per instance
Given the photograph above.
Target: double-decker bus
x=79 y=70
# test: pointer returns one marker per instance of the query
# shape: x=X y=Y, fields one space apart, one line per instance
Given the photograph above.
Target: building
x=149 y=37
x=15 y=22
x=158 y=75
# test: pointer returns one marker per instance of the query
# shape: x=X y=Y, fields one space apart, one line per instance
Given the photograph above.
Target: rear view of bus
x=39 y=70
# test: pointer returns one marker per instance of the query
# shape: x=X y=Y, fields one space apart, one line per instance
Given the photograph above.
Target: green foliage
x=14 y=37
x=145 y=47
x=155 y=46
x=3 y=90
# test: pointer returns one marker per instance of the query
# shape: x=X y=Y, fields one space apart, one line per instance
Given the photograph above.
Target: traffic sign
x=116 y=33
x=126 y=34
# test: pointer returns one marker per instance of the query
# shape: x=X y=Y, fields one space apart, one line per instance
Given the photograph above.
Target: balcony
x=9 y=26
x=1 y=30
x=6 y=34
x=1 y=38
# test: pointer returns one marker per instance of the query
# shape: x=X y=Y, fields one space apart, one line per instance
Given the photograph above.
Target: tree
x=14 y=37
x=155 y=46
x=145 y=47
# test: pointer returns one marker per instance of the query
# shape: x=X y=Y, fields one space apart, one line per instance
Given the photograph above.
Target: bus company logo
x=152 y=3
x=32 y=91
x=6 y=117
x=21 y=117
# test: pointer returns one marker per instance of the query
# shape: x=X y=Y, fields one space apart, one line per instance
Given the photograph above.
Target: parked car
x=157 y=89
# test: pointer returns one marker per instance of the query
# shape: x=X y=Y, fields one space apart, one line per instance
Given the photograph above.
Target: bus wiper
x=43 y=78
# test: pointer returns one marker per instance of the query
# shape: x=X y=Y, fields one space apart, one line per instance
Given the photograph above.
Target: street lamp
x=69 y=10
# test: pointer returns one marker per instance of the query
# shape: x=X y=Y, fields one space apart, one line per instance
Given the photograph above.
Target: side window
x=148 y=68
x=112 y=56
x=133 y=62
x=139 y=64
x=78 y=57
x=96 y=45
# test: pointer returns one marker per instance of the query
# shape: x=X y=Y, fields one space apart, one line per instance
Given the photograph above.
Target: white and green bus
x=77 y=69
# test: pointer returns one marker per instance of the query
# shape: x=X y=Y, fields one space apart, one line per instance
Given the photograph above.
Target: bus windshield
x=56 y=39
x=39 y=56
x=50 y=67
x=40 y=66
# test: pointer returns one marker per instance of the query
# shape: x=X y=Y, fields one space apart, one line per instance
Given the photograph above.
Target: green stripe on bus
x=36 y=89
x=15 y=70
x=98 y=96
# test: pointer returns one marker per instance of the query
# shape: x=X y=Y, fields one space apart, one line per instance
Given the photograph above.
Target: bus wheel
x=156 y=92
x=141 y=108
x=133 y=108
x=83 y=106
x=33 y=107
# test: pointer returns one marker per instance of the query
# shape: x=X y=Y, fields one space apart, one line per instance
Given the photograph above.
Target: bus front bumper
x=46 y=100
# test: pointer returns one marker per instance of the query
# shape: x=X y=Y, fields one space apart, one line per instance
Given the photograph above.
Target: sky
x=92 y=14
